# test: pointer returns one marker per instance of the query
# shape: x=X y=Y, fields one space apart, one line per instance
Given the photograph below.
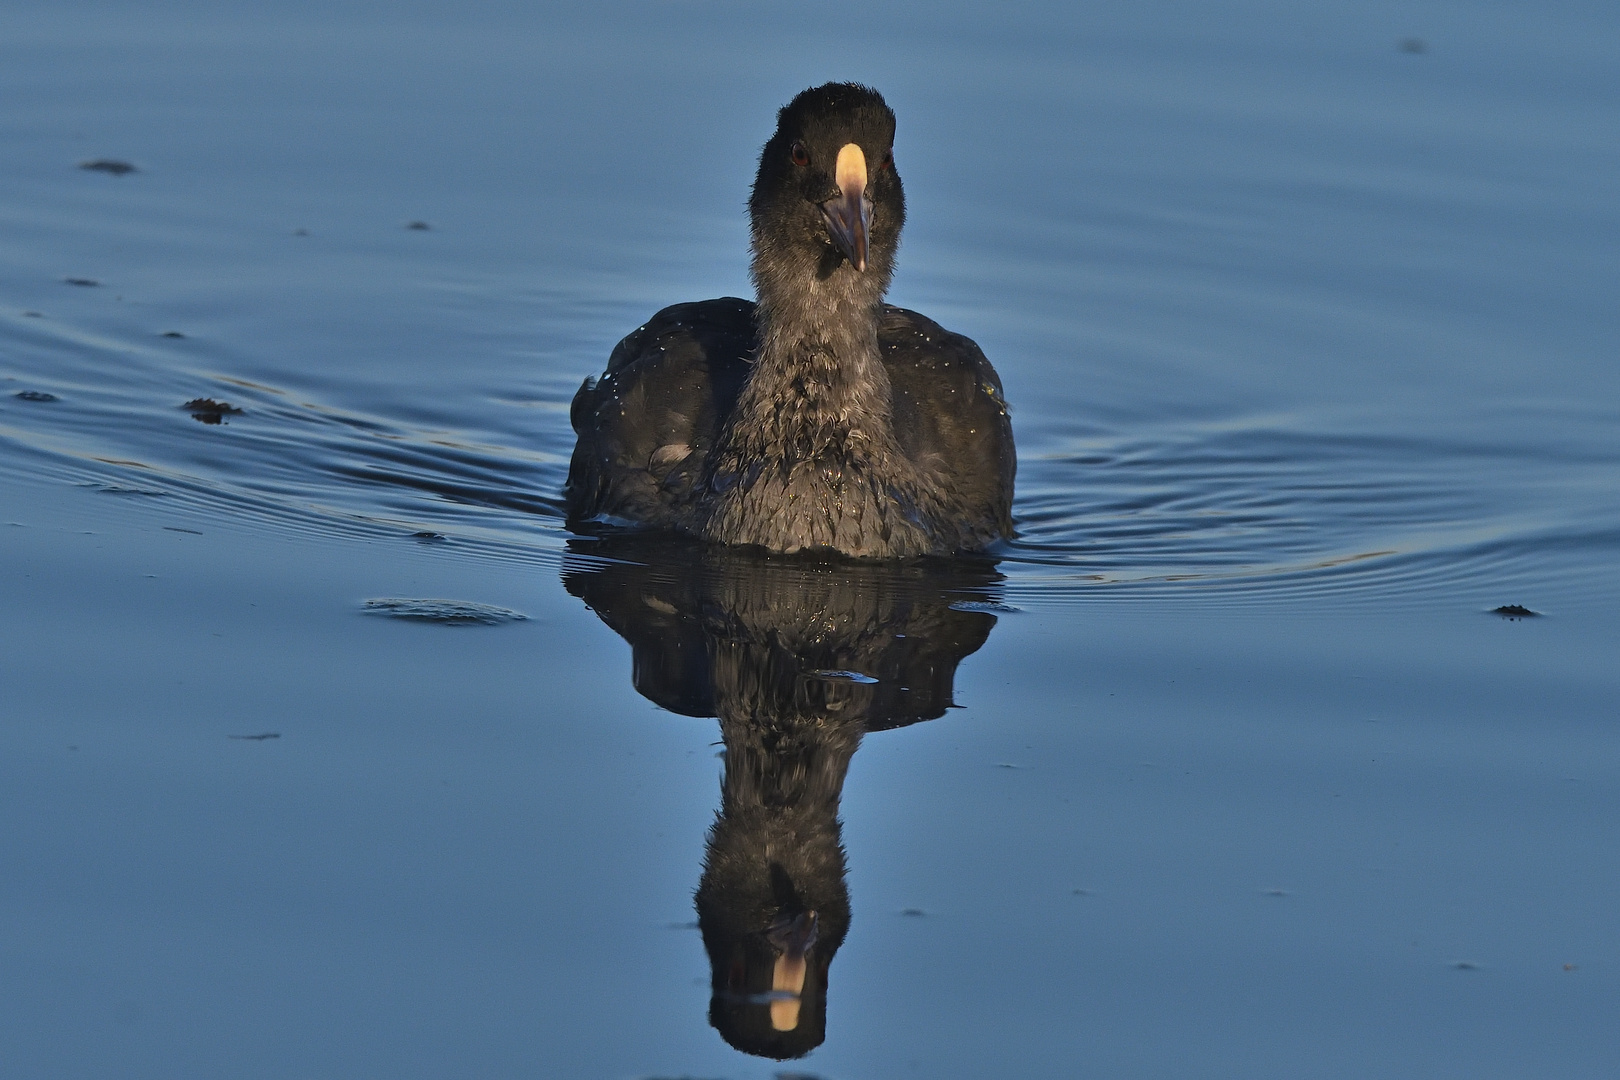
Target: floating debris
x=993 y=607
x=172 y=334
x=108 y=488
x=445 y=612
x=1414 y=46
x=914 y=913
x=110 y=166
x=209 y=411
x=428 y=536
x=846 y=676
x=419 y=226
x=1515 y=612
x=258 y=738
x=82 y=282
x=1466 y=965
x=35 y=395
x=176 y=528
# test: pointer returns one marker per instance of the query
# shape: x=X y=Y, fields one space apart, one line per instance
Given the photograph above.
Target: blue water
x=1307 y=319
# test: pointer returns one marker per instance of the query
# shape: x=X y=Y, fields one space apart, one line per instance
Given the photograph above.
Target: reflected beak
x=849 y=215
x=794 y=938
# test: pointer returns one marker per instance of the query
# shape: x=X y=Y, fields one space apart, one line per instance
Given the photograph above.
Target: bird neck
x=818 y=383
x=810 y=458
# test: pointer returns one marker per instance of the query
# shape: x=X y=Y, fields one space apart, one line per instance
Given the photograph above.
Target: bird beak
x=849 y=215
x=794 y=937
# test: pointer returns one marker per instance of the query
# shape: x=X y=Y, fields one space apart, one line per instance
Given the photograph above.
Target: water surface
x=1222 y=768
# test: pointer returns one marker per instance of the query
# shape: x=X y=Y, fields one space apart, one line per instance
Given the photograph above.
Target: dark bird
x=818 y=418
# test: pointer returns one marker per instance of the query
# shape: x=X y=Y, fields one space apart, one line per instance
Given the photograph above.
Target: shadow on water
x=799 y=659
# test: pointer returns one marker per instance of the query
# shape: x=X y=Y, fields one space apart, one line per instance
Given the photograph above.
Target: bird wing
x=950 y=417
x=647 y=425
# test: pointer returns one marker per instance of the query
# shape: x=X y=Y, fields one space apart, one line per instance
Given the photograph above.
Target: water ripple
x=1256 y=509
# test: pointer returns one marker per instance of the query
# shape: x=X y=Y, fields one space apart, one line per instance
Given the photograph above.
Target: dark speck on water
x=444 y=612
x=995 y=607
x=110 y=166
x=125 y=489
x=419 y=226
x=209 y=411
x=1515 y=611
x=82 y=282
x=258 y=738
x=1413 y=45
x=172 y=334
x=36 y=395
x=847 y=676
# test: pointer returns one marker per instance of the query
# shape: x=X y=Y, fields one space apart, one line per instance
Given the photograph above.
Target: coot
x=818 y=418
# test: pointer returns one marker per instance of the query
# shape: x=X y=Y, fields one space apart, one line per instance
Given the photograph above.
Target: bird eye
x=801 y=156
x=888 y=159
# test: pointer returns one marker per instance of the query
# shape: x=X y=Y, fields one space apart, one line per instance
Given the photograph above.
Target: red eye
x=801 y=156
x=888 y=159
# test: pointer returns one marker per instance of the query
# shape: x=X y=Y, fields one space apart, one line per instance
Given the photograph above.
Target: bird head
x=827 y=200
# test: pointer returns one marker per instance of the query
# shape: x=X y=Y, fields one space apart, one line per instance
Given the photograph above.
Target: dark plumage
x=799 y=661
x=818 y=418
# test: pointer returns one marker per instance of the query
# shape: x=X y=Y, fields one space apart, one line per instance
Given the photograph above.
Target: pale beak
x=849 y=215
x=795 y=938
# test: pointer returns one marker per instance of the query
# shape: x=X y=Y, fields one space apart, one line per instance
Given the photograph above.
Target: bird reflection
x=799 y=658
